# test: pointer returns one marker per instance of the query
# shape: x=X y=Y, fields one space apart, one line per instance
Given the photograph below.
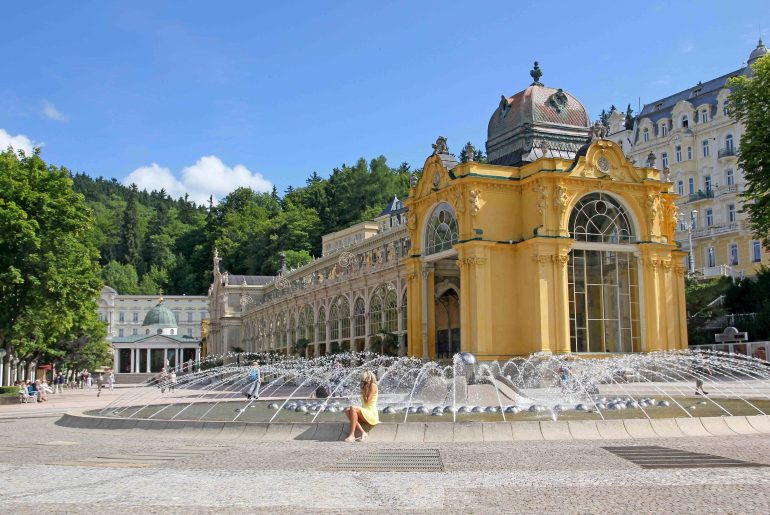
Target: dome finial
x=160 y=295
x=536 y=73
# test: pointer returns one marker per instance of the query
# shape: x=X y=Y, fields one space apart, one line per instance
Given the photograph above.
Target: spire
x=536 y=73
x=160 y=295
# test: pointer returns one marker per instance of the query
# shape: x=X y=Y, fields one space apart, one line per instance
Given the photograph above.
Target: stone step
x=133 y=378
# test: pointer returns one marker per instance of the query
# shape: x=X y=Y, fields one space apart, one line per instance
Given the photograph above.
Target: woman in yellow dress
x=368 y=410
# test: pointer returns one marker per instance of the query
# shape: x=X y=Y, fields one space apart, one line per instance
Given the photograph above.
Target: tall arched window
x=441 y=231
x=729 y=145
x=685 y=121
x=375 y=311
x=391 y=312
x=359 y=317
x=646 y=135
x=603 y=280
x=321 y=325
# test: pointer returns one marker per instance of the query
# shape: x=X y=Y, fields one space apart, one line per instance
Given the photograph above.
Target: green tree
x=122 y=277
x=130 y=238
x=750 y=105
x=49 y=269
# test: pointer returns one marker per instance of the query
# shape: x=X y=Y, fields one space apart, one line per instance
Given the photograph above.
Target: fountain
x=539 y=387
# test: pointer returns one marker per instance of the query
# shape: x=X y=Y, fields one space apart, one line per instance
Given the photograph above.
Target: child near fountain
x=368 y=410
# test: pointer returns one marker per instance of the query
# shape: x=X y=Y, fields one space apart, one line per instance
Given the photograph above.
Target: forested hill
x=149 y=241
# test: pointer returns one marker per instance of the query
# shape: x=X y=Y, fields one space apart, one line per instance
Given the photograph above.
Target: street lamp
x=689 y=226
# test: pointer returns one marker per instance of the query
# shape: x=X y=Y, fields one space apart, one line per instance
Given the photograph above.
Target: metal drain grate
x=139 y=460
x=654 y=457
x=394 y=460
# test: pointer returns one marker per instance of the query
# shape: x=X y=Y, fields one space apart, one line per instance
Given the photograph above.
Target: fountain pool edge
x=427 y=432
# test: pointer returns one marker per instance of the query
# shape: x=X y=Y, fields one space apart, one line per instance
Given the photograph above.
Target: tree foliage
x=49 y=263
x=750 y=105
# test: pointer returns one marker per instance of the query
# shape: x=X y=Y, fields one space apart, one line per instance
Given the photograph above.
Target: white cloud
x=50 y=111
x=208 y=176
x=18 y=142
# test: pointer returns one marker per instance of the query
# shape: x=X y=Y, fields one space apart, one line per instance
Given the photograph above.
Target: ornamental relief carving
x=667 y=264
x=457 y=202
x=680 y=270
x=472 y=261
x=474 y=199
x=653 y=207
x=541 y=191
x=560 y=200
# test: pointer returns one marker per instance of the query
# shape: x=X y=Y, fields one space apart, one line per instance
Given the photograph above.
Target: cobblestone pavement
x=49 y=468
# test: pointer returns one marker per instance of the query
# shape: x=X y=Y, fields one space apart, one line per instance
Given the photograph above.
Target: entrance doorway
x=447 y=324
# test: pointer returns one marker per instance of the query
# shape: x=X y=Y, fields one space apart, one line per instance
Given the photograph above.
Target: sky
x=202 y=97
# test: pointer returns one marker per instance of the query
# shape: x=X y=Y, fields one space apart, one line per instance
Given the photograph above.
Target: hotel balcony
x=728 y=190
x=714 y=230
x=718 y=271
x=726 y=152
x=695 y=197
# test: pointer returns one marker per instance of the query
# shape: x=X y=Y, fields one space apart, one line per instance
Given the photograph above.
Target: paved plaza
x=46 y=467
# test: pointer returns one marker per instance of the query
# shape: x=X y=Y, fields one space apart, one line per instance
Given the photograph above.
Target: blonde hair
x=367 y=380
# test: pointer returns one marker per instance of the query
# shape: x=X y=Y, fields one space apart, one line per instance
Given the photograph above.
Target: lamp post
x=689 y=227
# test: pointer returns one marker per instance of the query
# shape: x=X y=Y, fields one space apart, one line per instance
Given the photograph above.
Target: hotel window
x=711 y=257
x=663 y=128
x=756 y=251
x=203 y=315
x=189 y=331
x=725 y=108
x=685 y=121
x=704 y=116
x=121 y=317
x=120 y=332
x=731 y=213
x=707 y=183
x=678 y=154
x=189 y=316
x=135 y=316
x=664 y=159
x=134 y=331
x=733 y=254
x=691 y=185
x=705 y=148
x=709 y=217
x=646 y=135
x=680 y=188
x=689 y=152
x=729 y=146
x=730 y=177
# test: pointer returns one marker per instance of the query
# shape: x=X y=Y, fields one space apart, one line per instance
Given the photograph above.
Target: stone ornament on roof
x=558 y=100
x=536 y=73
x=440 y=147
x=469 y=151
x=598 y=131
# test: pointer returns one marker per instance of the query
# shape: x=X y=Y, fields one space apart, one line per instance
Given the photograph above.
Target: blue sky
x=206 y=96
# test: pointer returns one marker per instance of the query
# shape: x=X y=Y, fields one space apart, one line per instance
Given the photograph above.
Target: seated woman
x=368 y=411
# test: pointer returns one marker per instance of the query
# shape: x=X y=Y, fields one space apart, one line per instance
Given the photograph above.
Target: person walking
x=60 y=383
x=99 y=384
x=252 y=390
x=163 y=378
x=111 y=379
x=367 y=413
x=89 y=381
x=171 y=380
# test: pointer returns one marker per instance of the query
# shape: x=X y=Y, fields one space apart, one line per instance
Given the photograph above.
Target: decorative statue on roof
x=598 y=131
x=536 y=73
x=440 y=146
x=412 y=180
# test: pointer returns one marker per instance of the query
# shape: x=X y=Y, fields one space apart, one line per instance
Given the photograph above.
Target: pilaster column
x=424 y=275
x=133 y=362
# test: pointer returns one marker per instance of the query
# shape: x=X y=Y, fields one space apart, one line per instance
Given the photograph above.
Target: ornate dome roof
x=538 y=121
x=160 y=316
x=758 y=52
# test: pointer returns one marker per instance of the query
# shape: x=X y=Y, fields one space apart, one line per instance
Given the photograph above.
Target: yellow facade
x=514 y=247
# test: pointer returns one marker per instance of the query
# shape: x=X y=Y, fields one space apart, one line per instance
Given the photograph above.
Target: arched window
x=375 y=311
x=646 y=135
x=321 y=325
x=442 y=230
x=599 y=218
x=603 y=283
x=404 y=311
x=685 y=121
x=359 y=317
x=391 y=312
x=729 y=145
x=334 y=317
x=344 y=314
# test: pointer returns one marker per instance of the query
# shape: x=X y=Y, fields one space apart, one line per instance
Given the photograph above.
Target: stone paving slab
x=497 y=432
x=277 y=432
x=716 y=426
x=381 y=433
x=583 y=430
x=555 y=430
x=692 y=427
x=639 y=428
x=612 y=430
x=410 y=432
x=526 y=430
x=740 y=425
x=468 y=432
x=666 y=428
x=443 y=432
